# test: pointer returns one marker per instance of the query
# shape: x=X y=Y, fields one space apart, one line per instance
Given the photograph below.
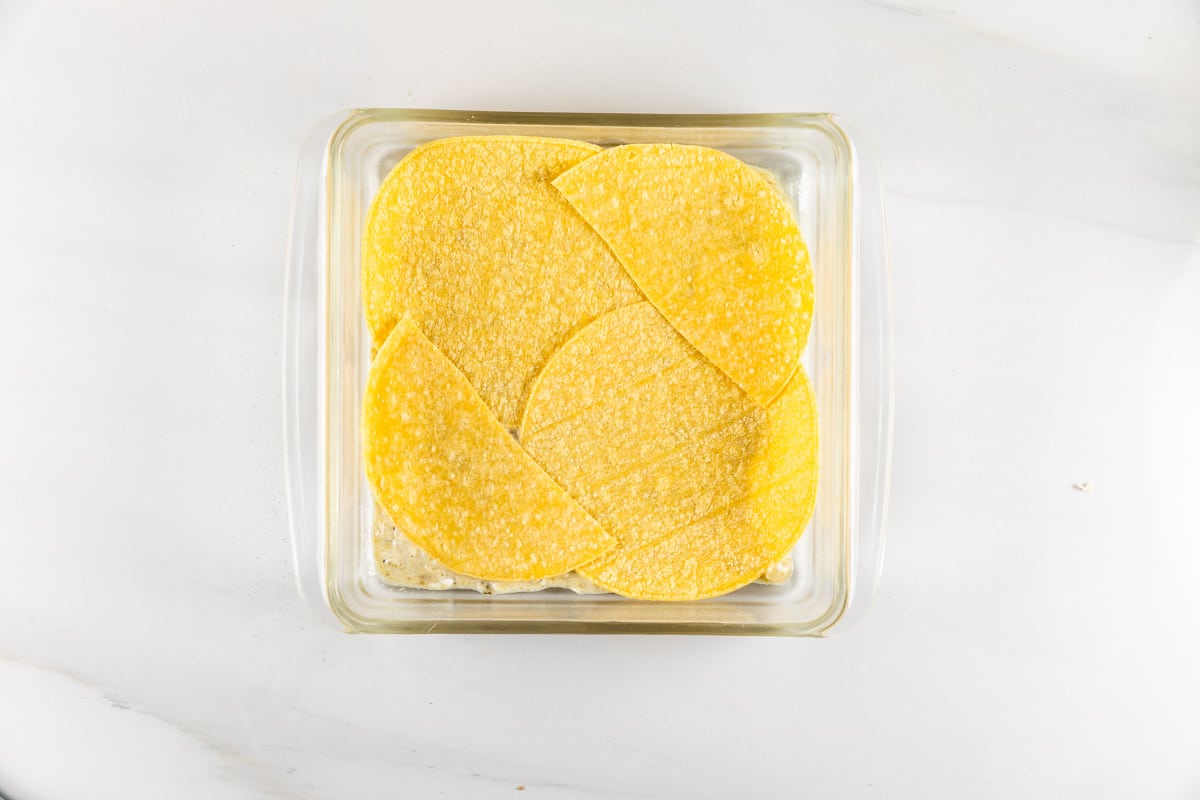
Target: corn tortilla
x=713 y=245
x=455 y=481
x=703 y=487
x=469 y=239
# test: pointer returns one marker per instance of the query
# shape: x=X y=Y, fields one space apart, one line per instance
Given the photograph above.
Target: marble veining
x=1029 y=639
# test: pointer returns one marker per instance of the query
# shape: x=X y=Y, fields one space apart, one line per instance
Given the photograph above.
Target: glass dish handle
x=303 y=363
x=875 y=374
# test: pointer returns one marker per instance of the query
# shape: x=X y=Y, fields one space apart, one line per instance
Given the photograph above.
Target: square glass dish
x=833 y=187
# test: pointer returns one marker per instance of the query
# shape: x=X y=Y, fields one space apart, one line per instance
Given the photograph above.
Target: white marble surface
x=1043 y=162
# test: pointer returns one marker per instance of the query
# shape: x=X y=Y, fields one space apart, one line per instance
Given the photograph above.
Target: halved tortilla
x=703 y=486
x=713 y=245
x=454 y=480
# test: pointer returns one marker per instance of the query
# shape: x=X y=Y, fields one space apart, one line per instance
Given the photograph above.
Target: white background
x=1028 y=640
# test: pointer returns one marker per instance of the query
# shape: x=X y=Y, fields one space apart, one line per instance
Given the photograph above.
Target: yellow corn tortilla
x=703 y=487
x=713 y=245
x=469 y=239
x=454 y=480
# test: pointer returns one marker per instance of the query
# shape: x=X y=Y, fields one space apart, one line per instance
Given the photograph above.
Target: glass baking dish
x=833 y=186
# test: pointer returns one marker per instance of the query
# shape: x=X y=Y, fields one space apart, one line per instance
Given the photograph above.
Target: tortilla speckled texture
x=454 y=479
x=713 y=245
x=703 y=487
x=469 y=239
